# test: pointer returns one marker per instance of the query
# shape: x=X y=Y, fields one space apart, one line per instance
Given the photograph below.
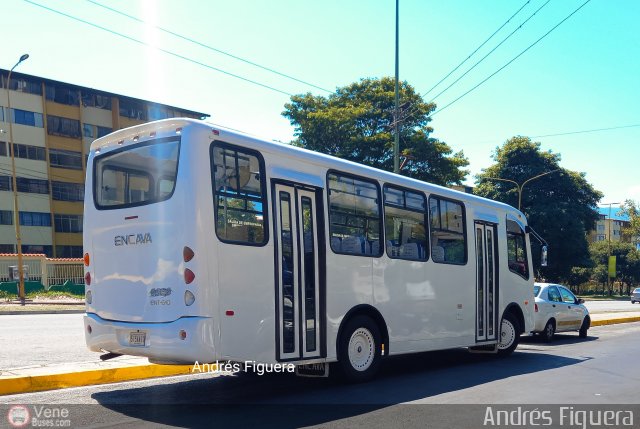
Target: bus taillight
x=187 y=254
x=189 y=276
x=86 y=259
x=87 y=279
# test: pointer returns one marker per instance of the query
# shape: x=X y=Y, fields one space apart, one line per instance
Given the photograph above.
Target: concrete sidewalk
x=127 y=368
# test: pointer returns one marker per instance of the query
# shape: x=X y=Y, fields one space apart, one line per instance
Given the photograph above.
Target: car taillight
x=536 y=307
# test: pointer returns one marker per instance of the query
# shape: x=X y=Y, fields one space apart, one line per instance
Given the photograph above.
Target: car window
x=567 y=296
x=536 y=290
x=554 y=295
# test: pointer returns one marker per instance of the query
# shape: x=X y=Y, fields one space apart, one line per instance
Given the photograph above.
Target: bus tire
x=359 y=352
x=509 y=334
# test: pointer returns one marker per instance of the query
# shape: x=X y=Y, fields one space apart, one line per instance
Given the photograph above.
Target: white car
x=635 y=295
x=558 y=310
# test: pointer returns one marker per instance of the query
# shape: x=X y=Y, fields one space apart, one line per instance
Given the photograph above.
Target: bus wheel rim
x=507 y=334
x=361 y=349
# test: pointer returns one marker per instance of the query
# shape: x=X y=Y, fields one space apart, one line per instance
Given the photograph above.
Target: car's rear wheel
x=586 y=324
x=549 y=331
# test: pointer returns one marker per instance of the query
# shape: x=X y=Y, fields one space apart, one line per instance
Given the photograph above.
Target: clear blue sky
x=582 y=76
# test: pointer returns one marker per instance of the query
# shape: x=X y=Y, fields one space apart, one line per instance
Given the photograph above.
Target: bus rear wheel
x=359 y=352
x=509 y=334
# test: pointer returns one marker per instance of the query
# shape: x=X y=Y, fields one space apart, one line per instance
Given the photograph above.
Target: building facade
x=610 y=226
x=53 y=124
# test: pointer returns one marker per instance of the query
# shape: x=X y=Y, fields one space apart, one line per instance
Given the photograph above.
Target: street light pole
x=609 y=245
x=16 y=212
x=521 y=186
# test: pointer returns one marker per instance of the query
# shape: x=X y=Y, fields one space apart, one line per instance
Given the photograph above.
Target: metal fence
x=47 y=271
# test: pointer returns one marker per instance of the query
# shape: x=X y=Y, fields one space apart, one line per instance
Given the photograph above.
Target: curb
x=36 y=383
x=615 y=321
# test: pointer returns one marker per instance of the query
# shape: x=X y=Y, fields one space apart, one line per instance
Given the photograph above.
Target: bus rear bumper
x=160 y=342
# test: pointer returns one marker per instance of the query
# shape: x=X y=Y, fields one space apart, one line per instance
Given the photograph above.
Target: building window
x=103 y=131
x=33 y=186
x=21 y=84
x=65 y=191
x=405 y=224
x=24 y=151
x=68 y=223
x=65 y=127
x=65 y=159
x=88 y=130
x=93 y=99
x=25 y=117
x=1 y=114
x=7 y=248
x=38 y=249
x=355 y=217
x=238 y=186
x=133 y=109
x=35 y=219
x=68 y=251
x=517 y=250
x=63 y=94
x=448 y=238
x=3 y=149
x=6 y=217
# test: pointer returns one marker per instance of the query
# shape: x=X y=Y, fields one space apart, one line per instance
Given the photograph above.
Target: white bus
x=203 y=244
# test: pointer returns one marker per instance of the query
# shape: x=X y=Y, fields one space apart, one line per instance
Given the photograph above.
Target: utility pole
x=396 y=115
x=16 y=211
x=609 y=262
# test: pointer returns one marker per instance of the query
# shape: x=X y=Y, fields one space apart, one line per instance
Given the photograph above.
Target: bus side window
x=448 y=234
x=355 y=217
x=405 y=224
x=239 y=196
x=517 y=250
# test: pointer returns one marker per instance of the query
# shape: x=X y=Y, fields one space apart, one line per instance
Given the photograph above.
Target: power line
x=166 y=51
x=476 y=50
x=513 y=59
x=209 y=47
x=491 y=51
x=586 y=131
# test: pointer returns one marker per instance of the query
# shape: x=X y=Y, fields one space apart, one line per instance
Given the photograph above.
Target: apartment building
x=53 y=125
x=610 y=225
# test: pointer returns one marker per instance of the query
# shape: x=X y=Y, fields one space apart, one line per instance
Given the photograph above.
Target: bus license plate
x=137 y=338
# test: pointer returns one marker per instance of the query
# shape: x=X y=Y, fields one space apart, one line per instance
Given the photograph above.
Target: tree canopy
x=560 y=206
x=356 y=123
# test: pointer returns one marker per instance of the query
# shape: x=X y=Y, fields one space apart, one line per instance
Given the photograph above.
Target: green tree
x=559 y=206
x=578 y=276
x=627 y=262
x=356 y=123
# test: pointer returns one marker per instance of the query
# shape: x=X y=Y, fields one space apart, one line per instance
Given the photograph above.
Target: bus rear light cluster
x=187 y=254
x=88 y=297
x=189 y=277
x=86 y=259
x=189 y=298
x=87 y=279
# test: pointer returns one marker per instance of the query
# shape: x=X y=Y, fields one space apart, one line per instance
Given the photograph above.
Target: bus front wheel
x=509 y=334
x=359 y=352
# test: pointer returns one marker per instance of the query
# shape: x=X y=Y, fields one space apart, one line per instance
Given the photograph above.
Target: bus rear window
x=137 y=175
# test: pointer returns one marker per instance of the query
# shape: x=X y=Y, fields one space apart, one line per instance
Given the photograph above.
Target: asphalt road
x=37 y=339
x=598 y=370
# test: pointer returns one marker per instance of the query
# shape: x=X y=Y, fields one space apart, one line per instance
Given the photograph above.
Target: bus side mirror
x=543 y=256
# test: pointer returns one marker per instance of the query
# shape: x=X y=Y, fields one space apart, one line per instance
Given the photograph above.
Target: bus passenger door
x=486 y=281
x=298 y=257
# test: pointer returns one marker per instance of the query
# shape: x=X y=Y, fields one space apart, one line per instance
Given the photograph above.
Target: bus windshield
x=138 y=175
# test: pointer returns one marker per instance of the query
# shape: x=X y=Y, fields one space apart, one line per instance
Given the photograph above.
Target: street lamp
x=396 y=139
x=15 y=185
x=609 y=262
x=521 y=186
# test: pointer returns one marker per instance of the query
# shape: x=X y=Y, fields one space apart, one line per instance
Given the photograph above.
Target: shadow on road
x=279 y=400
x=558 y=339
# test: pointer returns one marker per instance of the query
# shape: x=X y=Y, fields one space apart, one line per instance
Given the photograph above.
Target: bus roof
x=176 y=125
